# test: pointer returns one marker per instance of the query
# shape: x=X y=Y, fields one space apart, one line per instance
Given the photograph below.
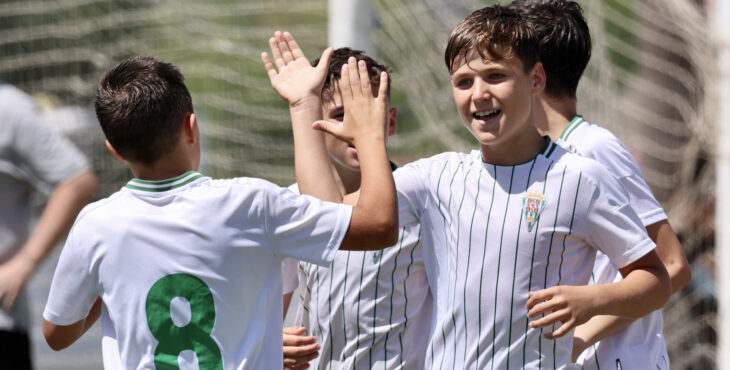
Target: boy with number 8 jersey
x=187 y=268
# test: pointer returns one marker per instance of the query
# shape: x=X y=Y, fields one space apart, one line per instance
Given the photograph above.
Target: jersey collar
x=159 y=186
x=574 y=123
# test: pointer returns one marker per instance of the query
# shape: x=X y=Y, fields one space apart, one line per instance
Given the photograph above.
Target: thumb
x=324 y=60
x=328 y=127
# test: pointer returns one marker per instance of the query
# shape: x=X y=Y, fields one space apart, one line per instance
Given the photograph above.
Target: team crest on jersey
x=533 y=204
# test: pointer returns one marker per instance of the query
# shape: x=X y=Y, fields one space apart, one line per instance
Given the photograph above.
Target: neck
x=348 y=180
x=555 y=115
x=521 y=150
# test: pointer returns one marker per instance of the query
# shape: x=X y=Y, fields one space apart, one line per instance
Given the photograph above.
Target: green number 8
x=195 y=335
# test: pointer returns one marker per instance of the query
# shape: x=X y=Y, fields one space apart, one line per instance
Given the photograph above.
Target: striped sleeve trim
x=163 y=185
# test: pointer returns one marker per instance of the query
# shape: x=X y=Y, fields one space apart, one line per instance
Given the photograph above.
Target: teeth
x=486 y=113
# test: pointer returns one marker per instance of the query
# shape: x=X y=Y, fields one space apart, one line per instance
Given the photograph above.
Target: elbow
x=56 y=336
x=388 y=232
x=682 y=277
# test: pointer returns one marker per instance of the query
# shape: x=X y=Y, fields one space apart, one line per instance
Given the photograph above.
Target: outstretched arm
x=300 y=84
x=645 y=288
x=61 y=209
x=374 y=222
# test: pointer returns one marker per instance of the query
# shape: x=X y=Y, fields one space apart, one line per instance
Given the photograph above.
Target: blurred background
x=652 y=81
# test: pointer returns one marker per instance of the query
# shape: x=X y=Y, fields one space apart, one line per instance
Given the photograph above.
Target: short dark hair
x=564 y=41
x=496 y=32
x=340 y=57
x=141 y=104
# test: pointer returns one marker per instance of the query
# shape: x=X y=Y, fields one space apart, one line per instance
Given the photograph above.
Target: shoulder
x=575 y=164
x=600 y=144
x=441 y=161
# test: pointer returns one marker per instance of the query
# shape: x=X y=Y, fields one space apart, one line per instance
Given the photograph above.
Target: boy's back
x=192 y=258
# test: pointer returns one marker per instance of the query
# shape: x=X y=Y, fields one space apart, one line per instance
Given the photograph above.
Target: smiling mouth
x=484 y=115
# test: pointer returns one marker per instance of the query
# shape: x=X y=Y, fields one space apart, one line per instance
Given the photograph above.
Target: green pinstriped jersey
x=491 y=234
x=368 y=310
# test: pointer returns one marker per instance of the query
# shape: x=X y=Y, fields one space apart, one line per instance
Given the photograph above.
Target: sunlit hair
x=340 y=57
x=564 y=41
x=141 y=104
x=494 y=32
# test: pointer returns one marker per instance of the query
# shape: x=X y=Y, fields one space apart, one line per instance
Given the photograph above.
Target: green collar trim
x=549 y=147
x=163 y=185
x=574 y=123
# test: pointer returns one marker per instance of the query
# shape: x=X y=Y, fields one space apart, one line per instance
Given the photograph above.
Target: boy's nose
x=481 y=90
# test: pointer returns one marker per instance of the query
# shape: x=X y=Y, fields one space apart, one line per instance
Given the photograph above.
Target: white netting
x=650 y=81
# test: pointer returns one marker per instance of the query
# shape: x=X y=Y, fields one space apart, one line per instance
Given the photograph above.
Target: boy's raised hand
x=365 y=114
x=294 y=78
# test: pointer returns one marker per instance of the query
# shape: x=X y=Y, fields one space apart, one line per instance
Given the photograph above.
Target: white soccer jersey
x=189 y=268
x=491 y=234
x=368 y=310
x=642 y=344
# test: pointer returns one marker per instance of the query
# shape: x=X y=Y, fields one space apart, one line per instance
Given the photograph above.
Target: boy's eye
x=466 y=82
x=497 y=76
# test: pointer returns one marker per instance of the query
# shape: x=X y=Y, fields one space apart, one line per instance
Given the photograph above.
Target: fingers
x=345 y=89
x=329 y=127
x=364 y=78
x=286 y=53
x=383 y=88
x=268 y=65
x=539 y=296
x=354 y=77
x=276 y=52
x=293 y=46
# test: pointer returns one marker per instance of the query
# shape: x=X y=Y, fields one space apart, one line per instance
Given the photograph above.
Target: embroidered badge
x=533 y=203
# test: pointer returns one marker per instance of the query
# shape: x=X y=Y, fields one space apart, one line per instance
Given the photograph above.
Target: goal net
x=650 y=81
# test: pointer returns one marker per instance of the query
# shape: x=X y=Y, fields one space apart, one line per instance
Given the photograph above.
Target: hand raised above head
x=290 y=73
x=365 y=114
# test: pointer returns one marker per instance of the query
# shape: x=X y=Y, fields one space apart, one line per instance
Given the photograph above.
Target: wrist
x=306 y=103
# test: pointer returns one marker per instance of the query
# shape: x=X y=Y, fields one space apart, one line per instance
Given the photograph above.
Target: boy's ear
x=392 y=121
x=538 y=78
x=190 y=128
x=114 y=151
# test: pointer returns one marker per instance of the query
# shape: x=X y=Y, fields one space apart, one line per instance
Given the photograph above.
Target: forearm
x=59 y=337
x=314 y=172
x=645 y=288
x=377 y=203
x=596 y=329
x=58 y=215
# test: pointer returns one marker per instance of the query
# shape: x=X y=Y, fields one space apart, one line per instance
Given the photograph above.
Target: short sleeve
x=412 y=189
x=289 y=275
x=612 y=225
x=642 y=199
x=73 y=289
x=45 y=156
x=304 y=227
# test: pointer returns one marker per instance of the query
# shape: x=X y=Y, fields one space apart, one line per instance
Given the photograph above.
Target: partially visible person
x=565 y=49
x=33 y=157
x=367 y=310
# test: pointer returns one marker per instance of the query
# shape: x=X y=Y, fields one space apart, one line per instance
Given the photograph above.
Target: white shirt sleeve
x=612 y=225
x=304 y=227
x=73 y=289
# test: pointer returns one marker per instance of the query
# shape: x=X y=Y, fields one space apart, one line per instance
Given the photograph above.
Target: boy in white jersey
x=510 y=231
x=367 y=310
x=565 y=45
x=188 y=269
